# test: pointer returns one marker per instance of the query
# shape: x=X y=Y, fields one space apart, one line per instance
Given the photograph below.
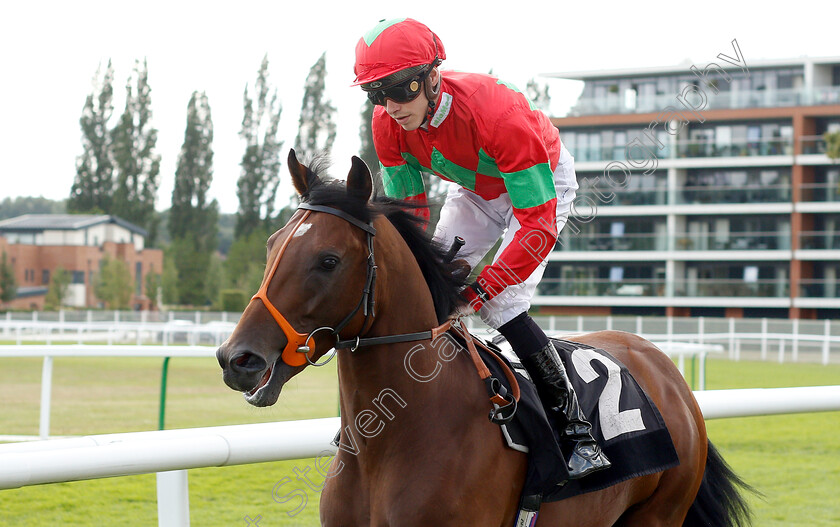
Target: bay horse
x=417 y=448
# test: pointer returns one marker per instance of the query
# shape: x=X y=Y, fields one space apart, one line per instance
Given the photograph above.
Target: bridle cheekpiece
x=296 y=352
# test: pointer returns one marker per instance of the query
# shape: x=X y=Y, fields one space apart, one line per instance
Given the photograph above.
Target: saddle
x=625 y=422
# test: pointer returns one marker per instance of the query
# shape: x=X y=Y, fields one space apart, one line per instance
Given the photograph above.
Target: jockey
x=513 y=180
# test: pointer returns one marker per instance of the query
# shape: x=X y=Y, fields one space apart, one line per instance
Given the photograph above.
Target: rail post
x=162 y=410
x=46 y=397
x=826 y=342
x=173 y=496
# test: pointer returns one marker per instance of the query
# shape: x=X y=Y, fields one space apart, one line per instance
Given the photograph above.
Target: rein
x=296 y=352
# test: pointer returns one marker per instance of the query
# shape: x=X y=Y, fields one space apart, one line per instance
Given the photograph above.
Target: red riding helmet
x=393 y=46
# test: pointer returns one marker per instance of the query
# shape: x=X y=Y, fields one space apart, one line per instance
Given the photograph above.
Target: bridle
x=296 y=352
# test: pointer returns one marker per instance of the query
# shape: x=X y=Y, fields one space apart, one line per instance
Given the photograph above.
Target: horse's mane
x=429 y=255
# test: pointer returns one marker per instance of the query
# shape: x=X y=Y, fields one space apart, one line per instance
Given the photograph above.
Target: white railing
x=48 y=352
x=115 y=332
x=680 y=350
x=764 y=339
x=171 y=452
x=767 y=339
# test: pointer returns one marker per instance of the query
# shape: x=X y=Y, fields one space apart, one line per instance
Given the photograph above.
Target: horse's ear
x=301 y=176
x=358 y=180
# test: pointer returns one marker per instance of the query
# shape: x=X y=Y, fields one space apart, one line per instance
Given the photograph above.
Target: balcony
x=819 y=289
x=812 y=144
x=601 y=287
x=819 y=240
x=775 y=146
x=607 y=242
x=733 y=241
x=724 y=100
x=727 y=194
x=821 y=192
x=732 y=287
x=619 y=196
x=657 y=288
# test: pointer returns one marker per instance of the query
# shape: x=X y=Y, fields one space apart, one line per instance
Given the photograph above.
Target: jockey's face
x=412 y=114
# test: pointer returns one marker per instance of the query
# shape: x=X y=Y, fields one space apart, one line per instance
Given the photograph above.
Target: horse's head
x=318 y=268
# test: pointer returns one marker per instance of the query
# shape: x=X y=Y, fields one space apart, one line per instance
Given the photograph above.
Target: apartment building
x=38 y=244
x=705 y=190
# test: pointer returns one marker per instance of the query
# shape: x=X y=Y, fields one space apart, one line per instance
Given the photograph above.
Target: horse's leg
x=344 y=500
x=676 y=488
x=478 y=485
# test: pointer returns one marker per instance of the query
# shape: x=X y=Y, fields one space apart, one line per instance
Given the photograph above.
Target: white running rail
x=59 y=460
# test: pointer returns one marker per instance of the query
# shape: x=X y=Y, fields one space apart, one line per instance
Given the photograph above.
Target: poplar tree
x=538 y=95
x=193 y=218
x=260 y=176
x=136 y=162
x=93 y=184
x=366 y=150
x=316 y=128
x=192 y=212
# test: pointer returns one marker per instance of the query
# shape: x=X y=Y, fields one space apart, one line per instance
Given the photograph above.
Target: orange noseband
x=294 y=354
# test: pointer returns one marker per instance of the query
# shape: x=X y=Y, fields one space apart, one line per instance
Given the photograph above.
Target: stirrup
x=585 y=460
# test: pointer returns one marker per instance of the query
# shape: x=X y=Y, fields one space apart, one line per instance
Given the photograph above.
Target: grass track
x=793 y=460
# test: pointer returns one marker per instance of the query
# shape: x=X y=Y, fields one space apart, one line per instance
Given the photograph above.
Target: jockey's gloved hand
x=460 y=269
x=474 y=297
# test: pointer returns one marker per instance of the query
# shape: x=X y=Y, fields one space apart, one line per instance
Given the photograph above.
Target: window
x=45 y=276
x=78 y=277
x=630 y=96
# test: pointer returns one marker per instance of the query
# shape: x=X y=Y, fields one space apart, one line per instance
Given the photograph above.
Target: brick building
x=38 y=244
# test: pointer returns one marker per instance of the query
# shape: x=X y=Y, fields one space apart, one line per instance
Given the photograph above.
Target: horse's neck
x=399 y=385
x=407 y=393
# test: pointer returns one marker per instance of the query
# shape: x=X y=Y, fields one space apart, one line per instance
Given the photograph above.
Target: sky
x=50 y=51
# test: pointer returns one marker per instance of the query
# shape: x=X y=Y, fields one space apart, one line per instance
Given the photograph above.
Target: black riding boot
x=549 y=374
x=541 y=360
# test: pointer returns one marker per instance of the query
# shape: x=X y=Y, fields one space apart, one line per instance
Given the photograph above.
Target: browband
x=341 y=214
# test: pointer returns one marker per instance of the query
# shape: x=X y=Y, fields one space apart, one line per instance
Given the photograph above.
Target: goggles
x=401 y=93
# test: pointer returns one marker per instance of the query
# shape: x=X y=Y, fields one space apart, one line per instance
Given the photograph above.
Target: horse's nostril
x=248 y=362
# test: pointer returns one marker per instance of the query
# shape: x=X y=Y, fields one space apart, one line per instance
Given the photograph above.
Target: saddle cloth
x=625 y=423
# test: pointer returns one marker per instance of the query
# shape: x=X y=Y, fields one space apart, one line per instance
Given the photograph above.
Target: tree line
x=118 y=173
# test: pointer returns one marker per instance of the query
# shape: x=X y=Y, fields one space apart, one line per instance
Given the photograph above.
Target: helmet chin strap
x=432 y=93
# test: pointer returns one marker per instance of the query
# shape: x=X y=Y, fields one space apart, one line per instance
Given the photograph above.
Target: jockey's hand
x=463 y=309
x=470 y=303
x=460 y=269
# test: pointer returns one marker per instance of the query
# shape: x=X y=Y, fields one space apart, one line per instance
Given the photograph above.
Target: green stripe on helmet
x=371 y=35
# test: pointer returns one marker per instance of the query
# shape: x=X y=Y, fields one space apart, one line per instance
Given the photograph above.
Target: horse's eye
x=329 y=262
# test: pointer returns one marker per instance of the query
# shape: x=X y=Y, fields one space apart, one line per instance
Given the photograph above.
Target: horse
x=416 y=446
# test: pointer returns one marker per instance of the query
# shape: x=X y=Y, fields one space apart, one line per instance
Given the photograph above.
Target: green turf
x=791 y=459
